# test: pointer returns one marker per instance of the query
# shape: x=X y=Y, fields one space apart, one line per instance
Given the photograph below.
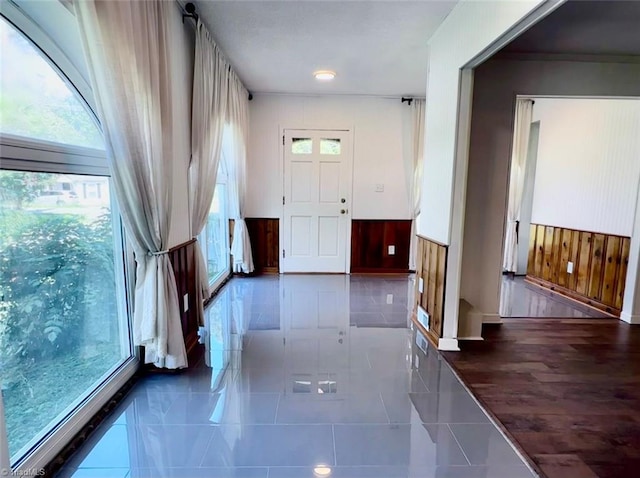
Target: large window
x=215 y=236
x=63 y=319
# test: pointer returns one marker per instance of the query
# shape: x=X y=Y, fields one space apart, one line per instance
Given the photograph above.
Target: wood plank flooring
x=567 y=391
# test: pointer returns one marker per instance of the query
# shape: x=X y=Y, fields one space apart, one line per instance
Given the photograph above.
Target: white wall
x=467 y=31
x=182 y=53
x=470 y=28
x=588 y=162
x=497 y=83
x=380 y=145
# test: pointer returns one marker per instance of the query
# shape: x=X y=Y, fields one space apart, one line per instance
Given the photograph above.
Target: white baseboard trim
x=629 y=318
x=473 y=337
x=448 y=345
x=491 y=319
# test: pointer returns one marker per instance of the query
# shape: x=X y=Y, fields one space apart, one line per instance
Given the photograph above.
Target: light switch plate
x=570 y=267
x=392 y=250
x=389 y=298
x=185 y=302
x=421 y=285
x=379 y=188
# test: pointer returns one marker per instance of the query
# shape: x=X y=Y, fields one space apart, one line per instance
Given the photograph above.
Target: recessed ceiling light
x=322 y=470
x=324 y=75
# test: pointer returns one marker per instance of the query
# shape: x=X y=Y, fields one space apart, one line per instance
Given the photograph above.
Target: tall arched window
x=63 y=316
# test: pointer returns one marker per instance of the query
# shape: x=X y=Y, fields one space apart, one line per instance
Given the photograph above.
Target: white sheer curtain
x=413 y=172
x=208 y=113
x=238 y=120
x=521 y=129
x=127 y=50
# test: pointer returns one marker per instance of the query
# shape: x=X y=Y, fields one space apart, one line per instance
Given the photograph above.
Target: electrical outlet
x=389 y=298
x=379 y=188
x=421 y=285
x=570 y=267
x=392 y=250
x=185 y=302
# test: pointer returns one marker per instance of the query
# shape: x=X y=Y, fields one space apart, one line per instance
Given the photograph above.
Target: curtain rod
x=409 y=99
x=190 y=10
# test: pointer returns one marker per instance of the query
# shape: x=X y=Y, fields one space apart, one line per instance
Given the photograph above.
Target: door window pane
x=301 y=145
x=61 y=333
x=329 y=146
x=35 y=102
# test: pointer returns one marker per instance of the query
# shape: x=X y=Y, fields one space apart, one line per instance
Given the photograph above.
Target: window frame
x=27 y=154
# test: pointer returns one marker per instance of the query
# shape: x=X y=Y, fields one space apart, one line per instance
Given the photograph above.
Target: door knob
x=343 y=211
x=343 y=200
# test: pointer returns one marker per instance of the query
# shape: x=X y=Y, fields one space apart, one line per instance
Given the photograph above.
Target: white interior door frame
x=347 y=130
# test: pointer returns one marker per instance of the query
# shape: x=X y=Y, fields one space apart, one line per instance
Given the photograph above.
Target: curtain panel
x=520 y=144
x=127 y=50
x=238 y=122
x=208 y=114
x=413 y=172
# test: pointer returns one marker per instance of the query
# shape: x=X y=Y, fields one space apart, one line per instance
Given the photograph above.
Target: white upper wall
x=589 y=163
x=469 y=29
x=380 y=141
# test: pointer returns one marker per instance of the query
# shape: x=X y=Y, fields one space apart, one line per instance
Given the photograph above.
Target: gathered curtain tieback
x=158 y=253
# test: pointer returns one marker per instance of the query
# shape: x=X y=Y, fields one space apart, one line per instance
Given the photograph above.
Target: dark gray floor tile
x=397 y=445
x=366 y=381
x=484 y=445
x=93 y=473
x=270 y=445
x=433 y=408
x=406 y=472
x=218 y=408
x=217 y=472
x=351 y=408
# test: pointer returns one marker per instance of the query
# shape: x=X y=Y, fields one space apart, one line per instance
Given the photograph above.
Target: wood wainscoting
x=370 y=241
x=431 y=267
x=264 y=234
x=599 y=265
x=183 y=260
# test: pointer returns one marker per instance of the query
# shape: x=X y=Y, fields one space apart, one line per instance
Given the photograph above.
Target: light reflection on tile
x=300 y=371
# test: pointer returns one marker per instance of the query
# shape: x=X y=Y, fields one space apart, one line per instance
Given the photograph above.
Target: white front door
x=317 y=200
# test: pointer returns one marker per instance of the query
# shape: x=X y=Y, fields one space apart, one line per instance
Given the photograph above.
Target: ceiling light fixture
x=322 y=471
x=324 y=75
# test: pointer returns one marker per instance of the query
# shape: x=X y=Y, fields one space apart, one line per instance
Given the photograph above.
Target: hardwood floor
x=567 y=391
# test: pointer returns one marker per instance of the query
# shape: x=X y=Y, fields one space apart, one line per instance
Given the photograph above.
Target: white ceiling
x=375 y=47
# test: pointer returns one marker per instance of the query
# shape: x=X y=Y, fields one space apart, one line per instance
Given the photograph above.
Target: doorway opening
x=573 y=185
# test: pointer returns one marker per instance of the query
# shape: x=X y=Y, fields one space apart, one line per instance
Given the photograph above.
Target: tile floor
x=521 y=299
x=304 y=376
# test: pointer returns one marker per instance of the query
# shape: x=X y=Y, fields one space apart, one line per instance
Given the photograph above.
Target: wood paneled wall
x=370 y=241
x=183 y=260
x=265 y=243
x=431 y=266
x=599 y=264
